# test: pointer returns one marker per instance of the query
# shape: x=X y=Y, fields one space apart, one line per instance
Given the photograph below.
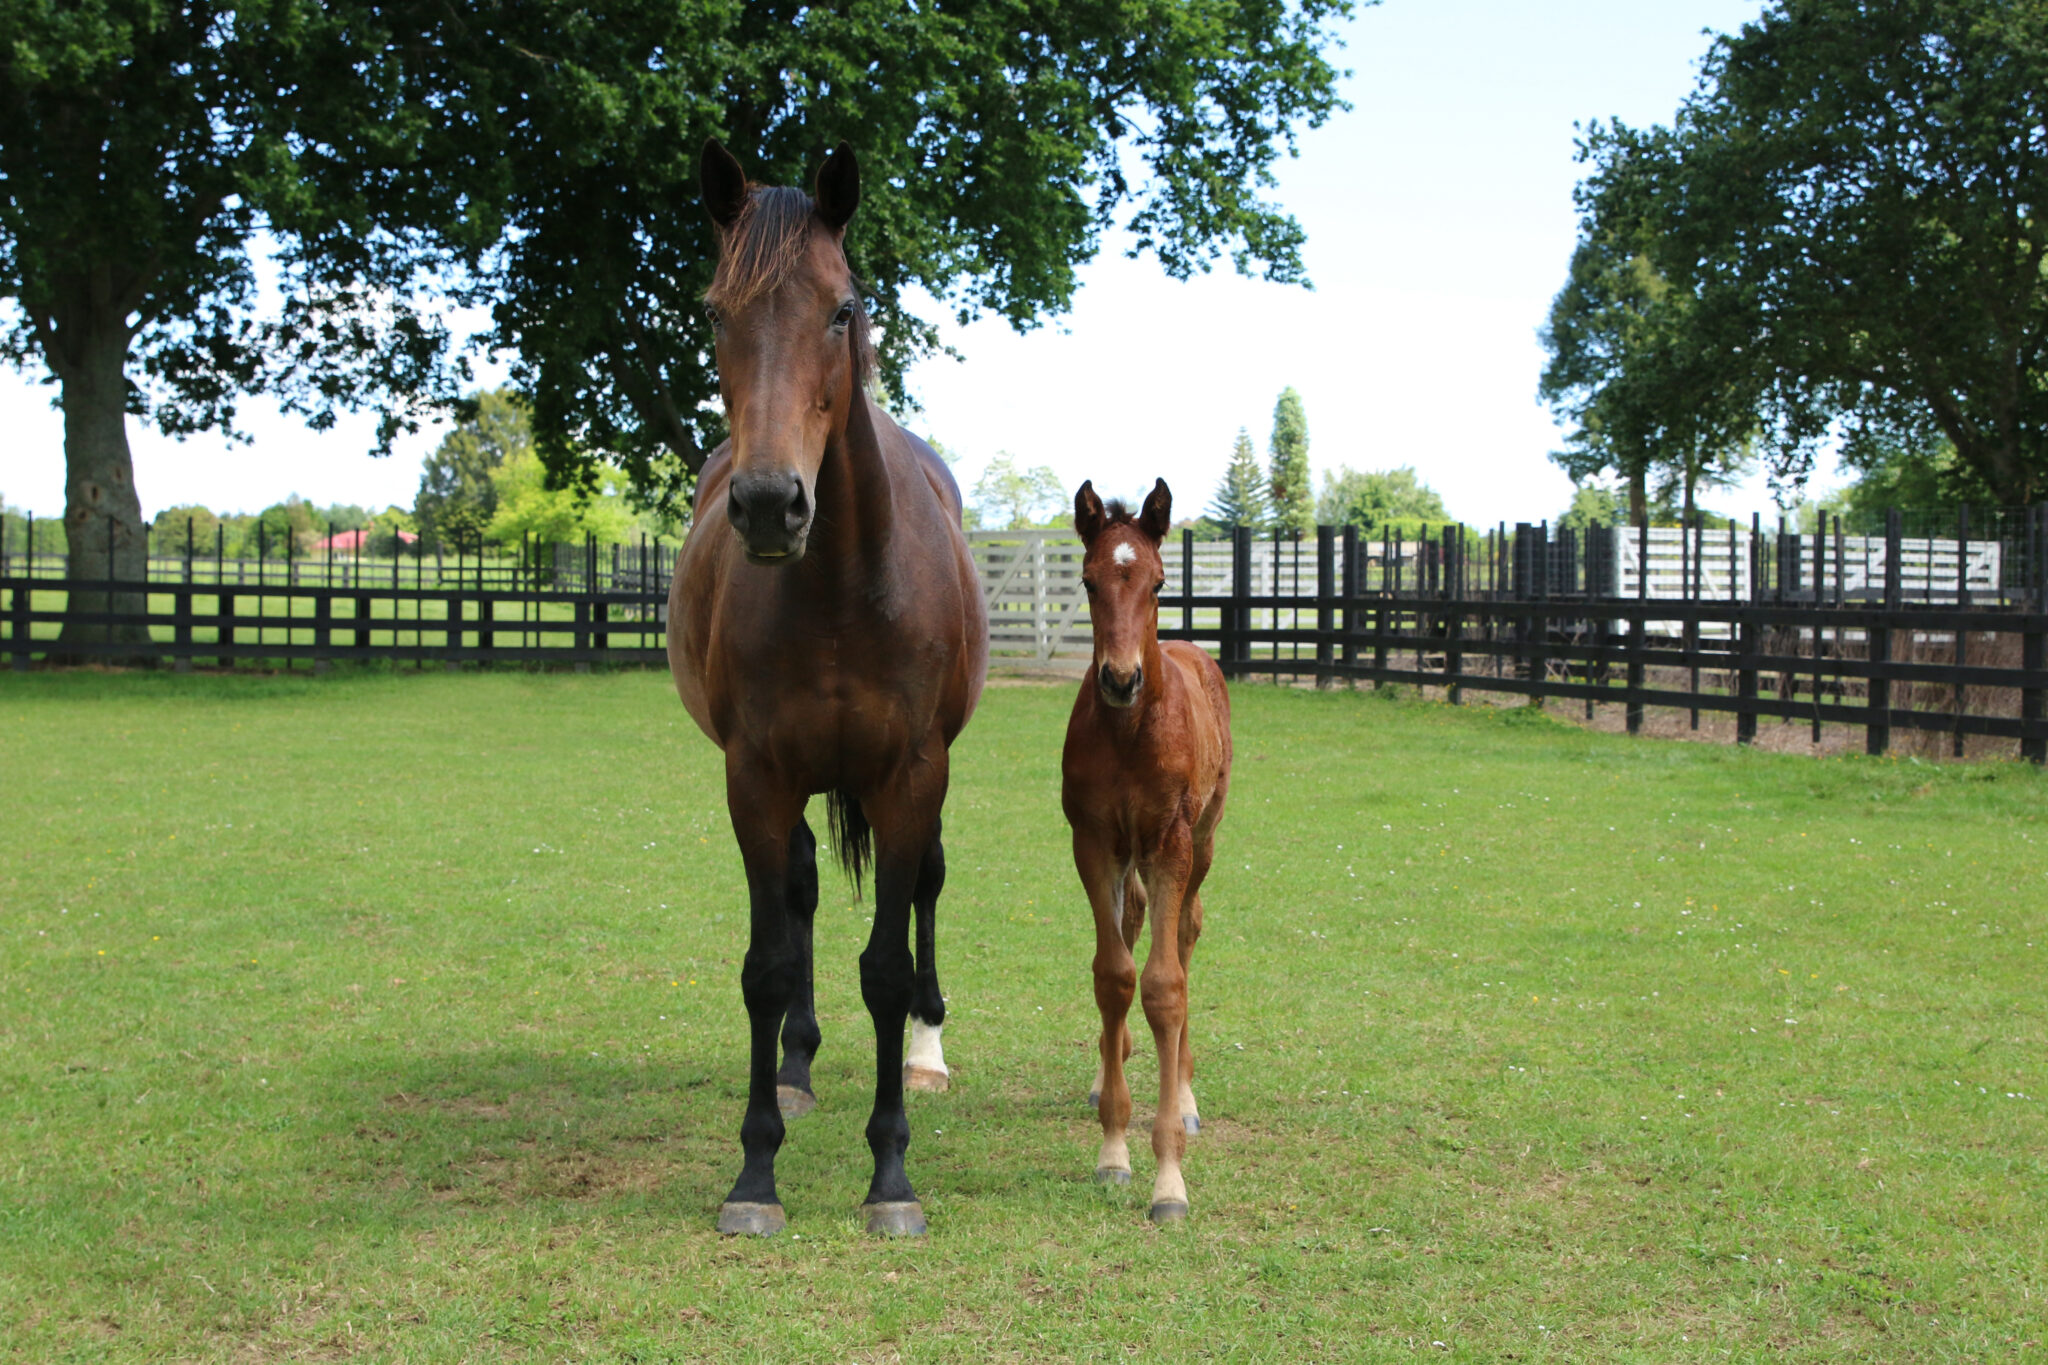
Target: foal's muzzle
x=771 y=514
x=1119 y=691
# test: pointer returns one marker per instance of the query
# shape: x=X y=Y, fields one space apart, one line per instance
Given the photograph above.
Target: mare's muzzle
x=771 y=514
x=1119 y=691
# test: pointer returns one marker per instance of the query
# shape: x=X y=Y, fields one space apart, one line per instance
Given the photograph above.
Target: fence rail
x=1883 y=633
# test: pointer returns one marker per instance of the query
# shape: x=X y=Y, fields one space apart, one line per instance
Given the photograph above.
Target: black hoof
x=1094 y=1099
x=1191 y=1124
x=1168 y=1211
x=794 y=1103
x=898 y=1218
x=737 y=1219
x=1111 y=1175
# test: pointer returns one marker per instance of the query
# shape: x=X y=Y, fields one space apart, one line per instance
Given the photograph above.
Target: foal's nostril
x=735 y=510
x=799 y=510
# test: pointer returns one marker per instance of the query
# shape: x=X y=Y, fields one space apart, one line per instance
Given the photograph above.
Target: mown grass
x=397 y=1017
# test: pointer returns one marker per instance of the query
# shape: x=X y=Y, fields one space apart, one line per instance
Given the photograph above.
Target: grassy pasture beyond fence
x=396 y=1017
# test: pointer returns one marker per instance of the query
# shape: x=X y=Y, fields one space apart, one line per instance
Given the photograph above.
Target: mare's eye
x=1157 y=586
x=1090 y=585
x=711 y=314
x=844 y=317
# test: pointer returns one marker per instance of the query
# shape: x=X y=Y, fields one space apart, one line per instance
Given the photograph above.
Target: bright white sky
x=1440 y=223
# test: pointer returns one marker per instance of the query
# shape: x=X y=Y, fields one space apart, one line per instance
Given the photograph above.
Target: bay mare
x=1143 y=780
x=827 y=632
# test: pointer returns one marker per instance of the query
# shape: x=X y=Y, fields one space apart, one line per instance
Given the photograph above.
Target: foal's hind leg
x=924 y=1066
x=1132 y=912
x=1190 y=932
x=800 y=1036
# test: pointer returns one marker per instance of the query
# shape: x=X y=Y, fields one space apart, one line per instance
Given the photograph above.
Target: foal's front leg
x=1116 y=980
x=1163 y=986
x=763 y=813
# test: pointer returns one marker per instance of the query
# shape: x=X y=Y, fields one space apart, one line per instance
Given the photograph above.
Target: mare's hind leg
x=1132 y=911
x=924 y=1067
x=800 y=1036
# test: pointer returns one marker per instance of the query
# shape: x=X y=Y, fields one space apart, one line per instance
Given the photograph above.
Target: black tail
x=852 y=839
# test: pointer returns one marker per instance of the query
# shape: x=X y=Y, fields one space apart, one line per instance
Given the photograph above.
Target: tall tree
x=1240 y=498
x=1010 y=497
x=1854 y=192
x=458 y=494
x=538 y=160
x=1293 y=491
x=1644 y=370
x=1370 y=500
x=143 y=148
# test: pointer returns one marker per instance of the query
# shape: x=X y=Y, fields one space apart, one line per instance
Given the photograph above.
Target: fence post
x=1237 y=617
x=1878 y=729
x=1454 y=618
x=1187 y=581
x=1633 y=698
x=1744 y=637
x=1353 y=581
x=23 y=592
x=1326 y=602
x=2033 y=698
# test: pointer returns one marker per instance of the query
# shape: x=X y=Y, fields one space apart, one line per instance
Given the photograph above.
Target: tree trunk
x=1638 y=496
x=103 y=527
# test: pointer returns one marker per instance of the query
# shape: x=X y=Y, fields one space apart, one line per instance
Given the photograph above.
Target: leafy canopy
x=1009 y=497
x=1853 y=199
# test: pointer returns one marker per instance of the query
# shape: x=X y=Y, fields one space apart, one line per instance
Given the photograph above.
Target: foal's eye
x=1157 y=586
x=1090 y=585
x=711 y=316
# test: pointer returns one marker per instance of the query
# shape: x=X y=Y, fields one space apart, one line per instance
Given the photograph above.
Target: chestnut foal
x=1146 y=768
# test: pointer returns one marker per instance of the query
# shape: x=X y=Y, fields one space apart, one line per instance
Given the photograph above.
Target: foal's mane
x=765 y=245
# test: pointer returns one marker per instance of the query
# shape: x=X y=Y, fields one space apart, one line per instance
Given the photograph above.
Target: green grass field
x=396 y=1017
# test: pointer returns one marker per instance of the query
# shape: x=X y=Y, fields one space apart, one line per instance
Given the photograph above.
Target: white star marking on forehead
x=1124 y=554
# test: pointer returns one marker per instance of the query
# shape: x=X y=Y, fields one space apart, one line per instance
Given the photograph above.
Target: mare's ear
x=1088 y=513
x=1156 y=519
x=838 y=192
x=722 y=183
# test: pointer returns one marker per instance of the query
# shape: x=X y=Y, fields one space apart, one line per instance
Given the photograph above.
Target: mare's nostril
x=735 y=510
x=799 y=506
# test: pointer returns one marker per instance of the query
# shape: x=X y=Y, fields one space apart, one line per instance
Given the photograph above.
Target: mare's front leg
x=904 y=815
x=925 y=1066
x=1163 y=986
x=800 y=1035
x=764 y=813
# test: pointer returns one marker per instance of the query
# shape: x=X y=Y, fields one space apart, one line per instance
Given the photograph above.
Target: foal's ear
x=838 y=192
x=1088 y=514
x=1156 y=518
x=722 y=183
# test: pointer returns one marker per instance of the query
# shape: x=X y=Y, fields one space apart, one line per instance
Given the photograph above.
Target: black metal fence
x=1933 y=633
x=1926 y=638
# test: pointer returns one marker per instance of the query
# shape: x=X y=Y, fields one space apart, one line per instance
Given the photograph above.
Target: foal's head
x=791 y=340
x=1121 y=568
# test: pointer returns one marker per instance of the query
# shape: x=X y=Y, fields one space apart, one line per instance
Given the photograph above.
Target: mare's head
x=791 y=340
x=1121 y=568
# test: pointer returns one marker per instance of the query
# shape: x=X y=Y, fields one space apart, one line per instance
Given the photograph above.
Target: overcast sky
x=1440 y=223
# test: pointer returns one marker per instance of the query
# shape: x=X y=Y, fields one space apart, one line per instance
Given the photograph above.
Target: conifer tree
x=1241 y=497
x=1294 y=498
